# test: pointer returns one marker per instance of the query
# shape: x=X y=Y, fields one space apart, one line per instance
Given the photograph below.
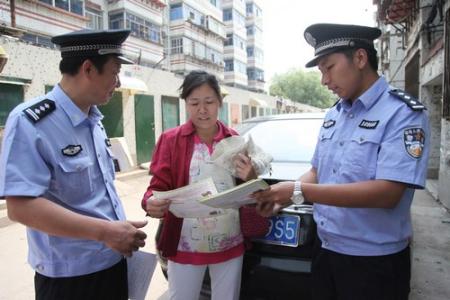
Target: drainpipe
x=12 y=6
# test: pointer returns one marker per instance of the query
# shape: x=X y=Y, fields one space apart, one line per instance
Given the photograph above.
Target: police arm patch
x=414 y=140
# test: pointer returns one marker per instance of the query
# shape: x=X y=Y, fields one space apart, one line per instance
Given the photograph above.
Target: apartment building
x=422 y=29
x=178 y=36
x=255 y=46
x=195 y=36
x=235 y=46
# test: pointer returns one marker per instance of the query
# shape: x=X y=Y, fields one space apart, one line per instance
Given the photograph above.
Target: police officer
x=371 y=154
x=57 y=176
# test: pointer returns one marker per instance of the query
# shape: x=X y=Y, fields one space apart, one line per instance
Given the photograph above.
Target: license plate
x=283 y=231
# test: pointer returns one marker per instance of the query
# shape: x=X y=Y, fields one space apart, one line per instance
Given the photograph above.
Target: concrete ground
x=431 y=247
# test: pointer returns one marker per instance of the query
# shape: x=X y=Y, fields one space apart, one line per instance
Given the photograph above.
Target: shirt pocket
x=361 y=156
x=75 y=177
x=325 y=143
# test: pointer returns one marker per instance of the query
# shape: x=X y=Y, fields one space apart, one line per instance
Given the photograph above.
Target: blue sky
x=285 y=20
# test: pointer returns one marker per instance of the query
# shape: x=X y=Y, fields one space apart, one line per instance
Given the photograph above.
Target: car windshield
x=291 y=140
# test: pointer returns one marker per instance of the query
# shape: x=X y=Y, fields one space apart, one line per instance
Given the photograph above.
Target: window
x=74 y=6
x=255 y=74
x=227 y=14
x=37 y=40
x=250 y=30
x=250 y=51
x=95 y=19
x=249 y=9
x=240 y=67
x=216 y=3
x=176 y=45
x=140 y=27
x=176 y=12
x=11 y=95
x=229 y=65
x=116 y=21
x=229 y=40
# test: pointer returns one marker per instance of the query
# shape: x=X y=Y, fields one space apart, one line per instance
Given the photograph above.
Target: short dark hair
x=71 y=65
x=371 y=55
x=196 y=79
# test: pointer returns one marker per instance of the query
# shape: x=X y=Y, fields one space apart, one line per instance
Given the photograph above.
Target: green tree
x=303 y=87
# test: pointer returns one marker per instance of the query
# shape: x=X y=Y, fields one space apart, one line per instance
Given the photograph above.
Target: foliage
x=303 y=87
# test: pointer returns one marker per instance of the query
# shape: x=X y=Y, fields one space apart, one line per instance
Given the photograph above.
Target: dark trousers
x=346 y=277
x=107 y=284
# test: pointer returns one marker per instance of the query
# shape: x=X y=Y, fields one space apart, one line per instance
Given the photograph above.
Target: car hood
x=287 y=170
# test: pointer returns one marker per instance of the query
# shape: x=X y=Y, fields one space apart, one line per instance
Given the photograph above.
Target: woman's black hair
x=196 y=79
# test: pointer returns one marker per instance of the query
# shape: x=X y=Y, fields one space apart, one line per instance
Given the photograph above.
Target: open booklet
x=236 y=196
x=185 y=200
x=201 y=199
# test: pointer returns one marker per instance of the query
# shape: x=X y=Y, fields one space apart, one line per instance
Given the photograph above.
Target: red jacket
x=170 y=169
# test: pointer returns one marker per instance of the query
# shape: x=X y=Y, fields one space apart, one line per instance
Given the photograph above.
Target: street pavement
x=430 y=254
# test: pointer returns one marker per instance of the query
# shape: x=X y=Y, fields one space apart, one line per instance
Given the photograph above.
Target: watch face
x=297 y=199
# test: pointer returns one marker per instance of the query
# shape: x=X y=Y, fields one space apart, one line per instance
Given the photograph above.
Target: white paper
x=140 y=271
x=185 y=200
x=236 y=196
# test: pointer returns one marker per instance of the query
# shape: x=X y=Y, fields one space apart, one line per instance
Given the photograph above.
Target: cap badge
x=310 y=39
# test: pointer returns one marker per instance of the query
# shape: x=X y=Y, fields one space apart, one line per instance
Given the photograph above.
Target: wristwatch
x=297 y=195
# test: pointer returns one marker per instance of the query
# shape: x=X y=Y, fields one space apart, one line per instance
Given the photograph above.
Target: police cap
x=88 y=43
x=328 y=38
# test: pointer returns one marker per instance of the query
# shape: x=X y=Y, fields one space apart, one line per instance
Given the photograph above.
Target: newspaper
x=236 y=196
x=185 y=200
x=140 y=271
x=229 y=148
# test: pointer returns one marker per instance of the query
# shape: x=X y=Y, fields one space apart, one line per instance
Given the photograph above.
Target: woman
x=182 y=156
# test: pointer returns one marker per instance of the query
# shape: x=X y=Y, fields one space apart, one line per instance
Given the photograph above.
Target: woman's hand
x=244 y=168
x=157 y=208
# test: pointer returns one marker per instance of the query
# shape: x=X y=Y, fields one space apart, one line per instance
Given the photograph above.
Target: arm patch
x=409 y=100
x=40 y=110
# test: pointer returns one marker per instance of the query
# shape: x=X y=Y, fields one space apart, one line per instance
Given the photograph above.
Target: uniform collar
x=369 y=97
x=75 y=114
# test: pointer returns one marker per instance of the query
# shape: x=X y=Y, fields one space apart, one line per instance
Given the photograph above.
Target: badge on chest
x=71 y=150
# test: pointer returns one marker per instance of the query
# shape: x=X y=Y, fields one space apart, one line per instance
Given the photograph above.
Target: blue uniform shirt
x=63 y=157
x=378 y=137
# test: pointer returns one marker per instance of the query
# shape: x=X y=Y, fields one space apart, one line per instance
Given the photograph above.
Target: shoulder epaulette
x=40 y=110
x=412 y=102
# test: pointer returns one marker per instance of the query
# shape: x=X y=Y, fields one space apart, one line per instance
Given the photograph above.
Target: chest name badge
x=71 y=150
x=328 y=123
x=414 y=139
x=368 y=124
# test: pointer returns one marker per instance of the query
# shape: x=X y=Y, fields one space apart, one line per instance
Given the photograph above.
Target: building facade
x=147 y=103
x=255 y=46
x=421 y=28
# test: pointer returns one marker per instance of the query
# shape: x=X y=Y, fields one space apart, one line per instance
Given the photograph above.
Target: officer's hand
x=244 y=168
x=279 y=193
x=157 y=208
x=124 y=236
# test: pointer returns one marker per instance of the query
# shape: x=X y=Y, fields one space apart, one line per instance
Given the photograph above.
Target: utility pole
x=12 y=8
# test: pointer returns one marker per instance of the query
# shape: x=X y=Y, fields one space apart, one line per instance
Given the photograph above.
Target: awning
x=224 y=91
x=257 y=102
x=132 y=83
x=14 y=80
